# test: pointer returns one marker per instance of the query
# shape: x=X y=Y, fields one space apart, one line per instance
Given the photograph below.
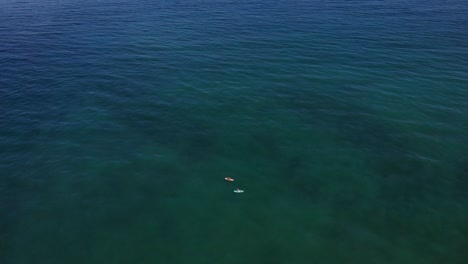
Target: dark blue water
x=345 y=122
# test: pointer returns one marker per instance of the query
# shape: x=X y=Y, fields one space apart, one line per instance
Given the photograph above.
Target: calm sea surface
x=345 y=122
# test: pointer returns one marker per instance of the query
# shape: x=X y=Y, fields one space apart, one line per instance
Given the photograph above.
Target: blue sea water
x=345 y=122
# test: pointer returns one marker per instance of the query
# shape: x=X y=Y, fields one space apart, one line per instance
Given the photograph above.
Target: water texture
x=345 y=122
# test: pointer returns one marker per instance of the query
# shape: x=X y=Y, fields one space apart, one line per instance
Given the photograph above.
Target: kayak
x=229 y=179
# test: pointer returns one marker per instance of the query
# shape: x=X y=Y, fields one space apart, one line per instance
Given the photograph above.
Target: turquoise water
x=344 y=122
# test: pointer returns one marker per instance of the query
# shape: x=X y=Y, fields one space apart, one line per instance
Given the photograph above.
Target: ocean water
x=345 y=122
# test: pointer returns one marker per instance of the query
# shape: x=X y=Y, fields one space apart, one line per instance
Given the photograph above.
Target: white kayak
x=238 y=191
